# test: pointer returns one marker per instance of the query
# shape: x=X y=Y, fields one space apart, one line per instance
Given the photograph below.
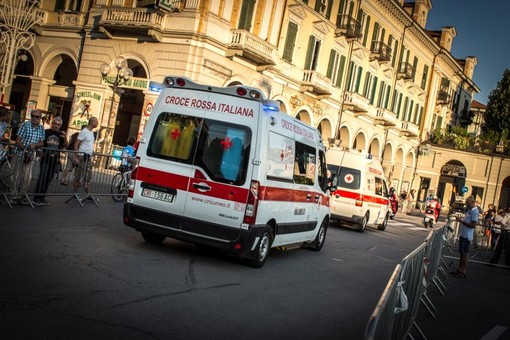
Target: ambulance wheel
x=383 y=225
x=363 y=225
x=153 y=238
x=317 y=244
x=261 y=252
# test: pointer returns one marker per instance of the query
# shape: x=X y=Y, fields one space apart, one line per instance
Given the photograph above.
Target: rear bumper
x=236 y=241
x=354 y=219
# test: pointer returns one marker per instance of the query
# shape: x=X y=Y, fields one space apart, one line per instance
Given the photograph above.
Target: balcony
x=406 y=71
x=443 y=98
x=132 y=23
x=252 y=49
x=380 y=51
x=356 y=102
x=61 y=20
x=348 y=27
x=409 y=129
x=315 y=83
x=385 y=118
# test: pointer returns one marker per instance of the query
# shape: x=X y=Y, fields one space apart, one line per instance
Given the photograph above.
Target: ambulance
x=223 y=167
x=359 y=194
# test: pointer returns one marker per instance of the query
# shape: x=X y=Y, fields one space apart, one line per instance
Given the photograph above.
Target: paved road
x=72 y=272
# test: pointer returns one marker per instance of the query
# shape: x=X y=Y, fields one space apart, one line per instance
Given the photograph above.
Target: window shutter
x=245 y=17
x=365 y=35
x=358 y=80
x=340 y=72
x=375 y=32
x=328 y=10
x=309 y=53
x=372 y=95
x=329 y=72
x=290 y=42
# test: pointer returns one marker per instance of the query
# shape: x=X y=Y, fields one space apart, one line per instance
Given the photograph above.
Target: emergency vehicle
x=222 y=166
x=359 y=194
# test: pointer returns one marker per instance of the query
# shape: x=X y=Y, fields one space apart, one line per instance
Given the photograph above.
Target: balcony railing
x=380 y=51
x=133 y=17
x=356 y=103
x=443 y=98
x=409 y=129
x=61 y=19
x=315 y=82
x=252 y=48
x=406 y=71
x=348 y=26
x=385 y=117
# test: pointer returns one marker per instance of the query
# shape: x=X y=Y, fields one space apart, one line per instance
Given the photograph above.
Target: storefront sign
x=454 y=170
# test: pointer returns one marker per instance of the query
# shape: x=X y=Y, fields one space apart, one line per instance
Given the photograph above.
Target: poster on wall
x=86 y=104
x=147 y=110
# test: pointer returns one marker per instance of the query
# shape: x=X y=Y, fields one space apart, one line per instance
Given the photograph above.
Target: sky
x=483 y=31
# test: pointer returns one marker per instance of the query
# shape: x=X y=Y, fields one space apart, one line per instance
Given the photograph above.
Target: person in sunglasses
x=30 y=136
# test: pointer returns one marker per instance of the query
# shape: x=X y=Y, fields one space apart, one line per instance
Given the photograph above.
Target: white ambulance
x=222 y=166
x=359 y=195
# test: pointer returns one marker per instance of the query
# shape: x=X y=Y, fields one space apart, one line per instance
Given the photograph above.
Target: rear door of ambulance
x=220 y=180
x=200 y=139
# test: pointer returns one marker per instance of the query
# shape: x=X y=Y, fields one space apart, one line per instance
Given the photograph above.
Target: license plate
x=158 y=195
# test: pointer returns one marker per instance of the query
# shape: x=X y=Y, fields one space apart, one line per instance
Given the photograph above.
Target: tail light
x=132 y=180
x=359 y=201
x=250 y=213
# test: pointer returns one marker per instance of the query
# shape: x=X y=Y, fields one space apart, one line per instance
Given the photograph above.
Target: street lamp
x=17 y=17
x=124 y=73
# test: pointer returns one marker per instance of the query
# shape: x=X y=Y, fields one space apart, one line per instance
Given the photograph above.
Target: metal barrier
x=26 y=176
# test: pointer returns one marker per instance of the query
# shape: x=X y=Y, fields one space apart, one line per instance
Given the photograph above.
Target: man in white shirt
x=467 y=229
x=84 y=146
x=504 y=238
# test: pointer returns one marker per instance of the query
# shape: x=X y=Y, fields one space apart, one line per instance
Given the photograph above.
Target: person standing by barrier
x=70 y=165
x=85 y=146
x=30 y=136
x=53 y=141
x=4 y=124
x=128 y=152
x=504 y=238
x=467 y=229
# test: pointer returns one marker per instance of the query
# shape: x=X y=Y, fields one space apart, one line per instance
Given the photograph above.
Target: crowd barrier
x=21 y=171
x=394 y=316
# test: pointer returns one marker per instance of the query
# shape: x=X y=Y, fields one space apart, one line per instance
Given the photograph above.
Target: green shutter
x=290 y=42
x=246 y=14
x=367 y=27
x=375 y=32
x=331 y=64
x=309 y=53
x=372 y=95
x=387 y=99
x=350 y=76
x=424 y=77
x=328 y=10
x=340 y=72
x=358 y=79
x=341 y=8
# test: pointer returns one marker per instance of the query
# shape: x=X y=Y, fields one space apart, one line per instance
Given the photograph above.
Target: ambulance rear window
x=349 y=178
x=220 y=148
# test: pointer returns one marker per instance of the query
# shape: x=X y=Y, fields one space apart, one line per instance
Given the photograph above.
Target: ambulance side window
x=304 y=164
x=349 y=178
x=379 y=186
x=323 y=171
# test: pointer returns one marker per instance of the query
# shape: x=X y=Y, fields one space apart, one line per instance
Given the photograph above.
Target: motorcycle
x=429 y=219
x=393 y=208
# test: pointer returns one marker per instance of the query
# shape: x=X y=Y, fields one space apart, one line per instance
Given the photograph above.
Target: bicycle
x=120 y=183
x=6 y=171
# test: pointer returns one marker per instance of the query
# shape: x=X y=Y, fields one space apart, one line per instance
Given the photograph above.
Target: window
x=290 y=41
x=349 y=178
x=380 y=187
x=304 y=164
x=219 y=148
x=245 y=17
x=424 y=77
x=354 y=78
x=336 y=67
x=312 y=53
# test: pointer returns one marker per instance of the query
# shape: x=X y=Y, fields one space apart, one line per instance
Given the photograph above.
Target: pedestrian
x=467 y=229
x=128 y=152
x=4 y=125
x=403 y=201
x=496 y=227
x=54 y=139
x=70 y=165
x=30 y=136
x=502 y=244
x=84 y=146
x=488 y=222
x=411 y=201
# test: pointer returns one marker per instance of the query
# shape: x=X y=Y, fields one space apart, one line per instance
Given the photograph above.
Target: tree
x=497 y=116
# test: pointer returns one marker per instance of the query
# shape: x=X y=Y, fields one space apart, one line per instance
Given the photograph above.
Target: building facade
x=367 y=73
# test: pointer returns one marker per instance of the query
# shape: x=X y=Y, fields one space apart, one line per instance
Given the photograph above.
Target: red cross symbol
x=175 y=134
x=226 y=143
x=348 y=178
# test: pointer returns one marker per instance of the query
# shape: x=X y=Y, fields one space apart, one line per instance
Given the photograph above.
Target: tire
x=363 y=225
x=118 y=190
x=259 y=256
x=6 y=173
x=153 y=238
x=317 y=244
x=383 y=225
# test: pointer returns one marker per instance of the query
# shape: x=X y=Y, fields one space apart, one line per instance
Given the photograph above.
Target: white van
x=359 y=195
x=222 y=166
